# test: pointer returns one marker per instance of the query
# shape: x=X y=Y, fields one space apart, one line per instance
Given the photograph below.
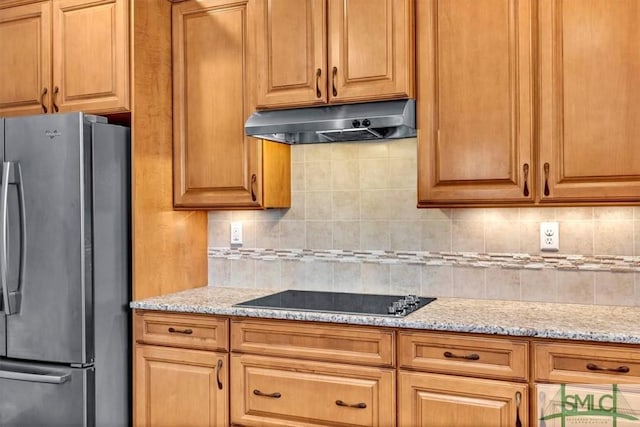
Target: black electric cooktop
x=340 y=302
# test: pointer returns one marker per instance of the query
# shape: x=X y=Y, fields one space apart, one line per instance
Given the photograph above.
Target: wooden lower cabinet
x=434 y=400
x=180 y=387
x=269 y=391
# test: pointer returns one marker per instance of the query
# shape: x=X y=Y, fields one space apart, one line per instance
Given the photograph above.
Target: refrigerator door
x=45 y=395
x=53 y=153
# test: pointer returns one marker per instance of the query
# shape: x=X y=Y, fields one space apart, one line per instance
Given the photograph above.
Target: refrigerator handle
x=11 y=174
x=52 y=378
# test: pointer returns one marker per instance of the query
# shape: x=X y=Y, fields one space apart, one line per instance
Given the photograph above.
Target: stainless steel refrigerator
x=64 y=271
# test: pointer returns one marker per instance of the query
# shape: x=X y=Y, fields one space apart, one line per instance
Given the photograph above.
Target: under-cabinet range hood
x=336 y=123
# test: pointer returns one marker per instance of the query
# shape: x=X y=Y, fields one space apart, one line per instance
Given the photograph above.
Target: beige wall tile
x=219 y=272
x=243 y=273
x=267 y=234
x=614 y=288
x=501 y=214
x=402 y=174
x=292 y=234
x=402 y=204
x=317 y=176
x=319 y=205
x=374 y=235
x=610 y=213
x=297 y=153
x=298 y=206
x=636 y=240
x=537 y=214
x=405 y=279
x=613 y=237
x=538 y=285
x=292 y=274
x=219 y=215
x=403 y=148
x=249 y=234
x=373 y=150
x=576 y=287
x=346 y=205
x=317 y=152
x=318 y=275
x=469 y=282
x=468 y=214
x=576 y=237
x=218 y=233
x=345 y=174
x=404 y=235
x=244 y=215
x=437 y=281
x=375 y=278
x=319 y=235
x=503 y=284
x=346 y=277
x=374 y=204
x=374 y=174
x=345 y=151
x=530 y=237
x=297 y=176
x=467 y=236
x=636 y=278
x=436 y=236
x=268 y=274
x=346 y=235
x=636 y=212
x=575 y=213
x=436 y=213
x=502 y=236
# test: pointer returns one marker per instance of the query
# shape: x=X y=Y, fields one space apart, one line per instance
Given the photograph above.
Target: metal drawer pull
x=275 y=395
x=219 y=368
x=472 y=356
x=318 y=75
x=178 y=331
x=361 y=405
x=620 y=369
x=333 y=80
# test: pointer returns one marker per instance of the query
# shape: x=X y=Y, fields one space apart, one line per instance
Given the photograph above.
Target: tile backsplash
x=360 y=198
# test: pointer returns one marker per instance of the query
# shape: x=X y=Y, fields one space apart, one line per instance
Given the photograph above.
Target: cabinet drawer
x=269 y=391
x=182 y=330
x=463 y=355
x=583 y=363
x=346 y=344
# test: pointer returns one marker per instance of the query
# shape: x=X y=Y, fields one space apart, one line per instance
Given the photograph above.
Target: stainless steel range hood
x=350 y=122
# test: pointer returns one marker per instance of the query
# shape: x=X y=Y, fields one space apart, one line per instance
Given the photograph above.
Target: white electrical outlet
x=549 y=237
x=236 y=233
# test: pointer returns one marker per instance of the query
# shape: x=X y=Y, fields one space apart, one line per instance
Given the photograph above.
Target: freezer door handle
x=11 y=174
x=52 y=376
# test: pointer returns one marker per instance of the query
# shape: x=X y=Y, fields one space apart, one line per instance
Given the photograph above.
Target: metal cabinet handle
x=55 y=98
x=254 y=179
x=620 y=369
x=218 y=369
x=318 y=75
x=360 y=405
x=42 y=95
x=546 y=179
x=525 y=172
x=180 y=331
x=472 y=356
x=275 y=395
x=333 y=80
x=518 y=401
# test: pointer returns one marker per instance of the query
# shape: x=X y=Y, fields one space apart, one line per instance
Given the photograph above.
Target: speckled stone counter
x=543 y=320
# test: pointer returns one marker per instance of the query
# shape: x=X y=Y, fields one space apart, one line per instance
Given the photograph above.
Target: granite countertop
x=512 y=318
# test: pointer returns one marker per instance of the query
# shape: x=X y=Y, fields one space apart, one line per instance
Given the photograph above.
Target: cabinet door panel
x=291 y=44
x=432 y=400
x=371 y=46
x=475 y=109
x=180 y=387
x=214 y=162
x=91 y=55
x=25 y=38
x=590 y=86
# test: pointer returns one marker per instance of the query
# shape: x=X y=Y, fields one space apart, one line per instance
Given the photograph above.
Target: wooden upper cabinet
x=214 y=164
x=475 y=102
x=589 y=91
x=311 y=52
x=25 y=37
x=91 y=55
x=64 y=55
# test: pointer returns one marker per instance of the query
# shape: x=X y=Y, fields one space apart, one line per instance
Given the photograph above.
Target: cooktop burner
x=340 y=302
